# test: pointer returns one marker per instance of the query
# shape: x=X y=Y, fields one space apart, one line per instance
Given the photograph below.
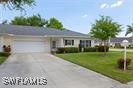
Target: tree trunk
x=104 y=47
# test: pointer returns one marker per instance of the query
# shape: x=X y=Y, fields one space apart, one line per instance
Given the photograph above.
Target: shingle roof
x=120 y=39
x=116 y=40
x=37 y=31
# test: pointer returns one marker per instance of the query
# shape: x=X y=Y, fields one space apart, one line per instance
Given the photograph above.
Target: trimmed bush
x=72 y=50
x=119 y=47
x=101 y=49
x=60 y=50
x=7 y=48
x=4 y=54
x=90 y=49
x=68 y=50
x=121 y=63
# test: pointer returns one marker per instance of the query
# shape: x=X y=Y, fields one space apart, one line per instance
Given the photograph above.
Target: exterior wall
x=7 y=40
x=76 y=42
x=58 y=41
x=1 y=43
x=92 y=43
x=47 y=45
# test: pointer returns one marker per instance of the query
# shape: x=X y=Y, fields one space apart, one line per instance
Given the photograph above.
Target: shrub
x=121 y=63
x=101 y=49
x=4 y=54
x=90 y=49
x=60 y=50
x=120 y=47
x=68 y=50
x=72 y=50
x=96 y=46
x=7 y=48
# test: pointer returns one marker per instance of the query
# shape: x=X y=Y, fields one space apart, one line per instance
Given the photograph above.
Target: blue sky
x=78 y=15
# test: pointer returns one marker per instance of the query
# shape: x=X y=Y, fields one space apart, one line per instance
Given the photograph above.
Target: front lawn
x=2 y=59
x=106 y=65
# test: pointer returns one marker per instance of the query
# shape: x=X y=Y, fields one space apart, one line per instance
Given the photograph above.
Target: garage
x=27 y=46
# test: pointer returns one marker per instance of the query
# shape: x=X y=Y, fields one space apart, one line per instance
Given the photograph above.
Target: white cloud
x=105 y=5
x=118 y=3
x=84 y=16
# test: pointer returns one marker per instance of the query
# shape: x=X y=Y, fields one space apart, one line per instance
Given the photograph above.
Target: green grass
x=106 y=65
x=2 y=59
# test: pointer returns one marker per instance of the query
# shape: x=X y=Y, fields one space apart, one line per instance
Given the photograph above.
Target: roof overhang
x=60 y=36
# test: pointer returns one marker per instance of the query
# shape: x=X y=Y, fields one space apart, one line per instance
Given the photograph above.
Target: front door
x=53 y=44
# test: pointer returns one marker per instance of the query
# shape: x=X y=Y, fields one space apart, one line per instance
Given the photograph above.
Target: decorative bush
x=120 y=47
x=121 y=63
x=68 y=50
x=7 y=48
x=60 y=50
x=101 y=49
x=4 y=54
x=91 y=49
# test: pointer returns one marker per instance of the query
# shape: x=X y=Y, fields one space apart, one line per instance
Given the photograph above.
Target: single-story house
x=115 y=41
x=23 y=39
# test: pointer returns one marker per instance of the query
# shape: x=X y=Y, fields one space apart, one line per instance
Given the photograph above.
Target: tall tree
x=17 y=4
x=130 y=31
x=104 y=28
x=54 y=23
x=19 y=21
x=35 y=20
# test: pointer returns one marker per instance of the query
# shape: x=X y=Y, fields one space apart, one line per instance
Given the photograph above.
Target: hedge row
x=91 y=49
x=76 y=49
x=4 y=54
x=68 y=50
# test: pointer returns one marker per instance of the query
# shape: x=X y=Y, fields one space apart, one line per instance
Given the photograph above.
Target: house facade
x=26 y=39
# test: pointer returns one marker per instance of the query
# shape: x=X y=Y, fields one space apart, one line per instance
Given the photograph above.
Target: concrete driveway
x=59 y=73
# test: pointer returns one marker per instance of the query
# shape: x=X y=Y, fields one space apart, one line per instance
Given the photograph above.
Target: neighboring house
x=39 y=39
x=115 y=41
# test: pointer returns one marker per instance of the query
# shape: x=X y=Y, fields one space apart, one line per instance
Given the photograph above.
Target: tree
x=104 y=28
x=19 y=21
x=17 y=4
x=130 y=31
x=54 y=23
x=35 y=20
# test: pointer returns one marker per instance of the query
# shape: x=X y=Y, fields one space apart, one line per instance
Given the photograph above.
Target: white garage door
x=28 y=46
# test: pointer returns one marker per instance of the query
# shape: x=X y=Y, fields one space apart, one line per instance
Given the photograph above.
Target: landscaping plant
x=121 y=63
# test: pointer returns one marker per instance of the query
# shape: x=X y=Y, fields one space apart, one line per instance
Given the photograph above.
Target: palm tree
x=129 y=31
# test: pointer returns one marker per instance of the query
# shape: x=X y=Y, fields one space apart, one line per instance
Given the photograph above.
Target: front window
x=85 y=43
x=69 y=42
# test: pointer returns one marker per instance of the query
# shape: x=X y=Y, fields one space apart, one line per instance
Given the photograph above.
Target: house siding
x=76 y=42
x=1 y=43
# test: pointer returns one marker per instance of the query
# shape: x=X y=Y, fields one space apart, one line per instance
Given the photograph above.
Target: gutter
x=60 y=36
